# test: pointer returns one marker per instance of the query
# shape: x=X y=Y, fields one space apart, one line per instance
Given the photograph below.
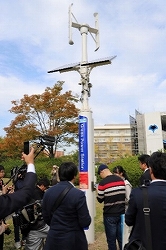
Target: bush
x=131 y=165
x=43 y=165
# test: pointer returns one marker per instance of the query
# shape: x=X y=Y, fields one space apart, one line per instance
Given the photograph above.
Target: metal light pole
x=86 y=125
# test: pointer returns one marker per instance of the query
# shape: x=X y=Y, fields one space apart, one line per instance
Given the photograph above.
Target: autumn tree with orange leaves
x=51 y=113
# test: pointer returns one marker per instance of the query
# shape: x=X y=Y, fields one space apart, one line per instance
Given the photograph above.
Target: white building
x=150 y=131
x=145 y=134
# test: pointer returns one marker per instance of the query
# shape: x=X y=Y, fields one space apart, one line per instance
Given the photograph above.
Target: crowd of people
x=53 y=214
x=116 y=200
x=33 y=209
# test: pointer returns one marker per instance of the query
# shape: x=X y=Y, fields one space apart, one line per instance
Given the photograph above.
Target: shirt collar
x=158 y=180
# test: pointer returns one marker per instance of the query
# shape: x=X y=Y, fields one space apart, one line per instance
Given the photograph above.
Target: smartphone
x=26 y=147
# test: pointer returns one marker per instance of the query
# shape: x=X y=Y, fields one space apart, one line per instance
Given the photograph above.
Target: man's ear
x=151 y=172
x=43 y=187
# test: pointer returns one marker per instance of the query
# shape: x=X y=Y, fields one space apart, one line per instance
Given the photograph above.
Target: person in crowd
x=10 y=203
x=144 y=166
x=111 y=191
x=157 y=204
x=18 y=183
x=18 y=243
x=54 y=175
x=2 y=174
x=41 y=186
x=39 y=229
x=3 y=226
x=68 y=221
x=119 y=170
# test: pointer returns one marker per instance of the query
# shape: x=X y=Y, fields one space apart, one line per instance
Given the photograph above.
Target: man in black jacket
x=157 y=204
x=144 y=166
x=12 y=202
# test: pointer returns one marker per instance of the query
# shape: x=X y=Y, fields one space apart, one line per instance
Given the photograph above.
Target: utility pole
x=86 y=124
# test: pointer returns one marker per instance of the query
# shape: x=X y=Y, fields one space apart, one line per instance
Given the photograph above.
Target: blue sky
x=34 y=40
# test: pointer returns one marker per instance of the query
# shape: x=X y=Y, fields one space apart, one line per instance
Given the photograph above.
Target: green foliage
x=9 y=164
x=43 y=164
x=131 y=165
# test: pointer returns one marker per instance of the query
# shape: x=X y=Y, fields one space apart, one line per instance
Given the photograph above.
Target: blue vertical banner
x=83 y=151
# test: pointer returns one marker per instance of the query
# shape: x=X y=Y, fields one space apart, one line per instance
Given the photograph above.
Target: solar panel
x=76 y=66
x=99 y=62
x=68 y=67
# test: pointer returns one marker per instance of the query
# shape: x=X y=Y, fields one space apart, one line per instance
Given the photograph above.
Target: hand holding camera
x=7 y=229
x=29 y=158
x=7 y=189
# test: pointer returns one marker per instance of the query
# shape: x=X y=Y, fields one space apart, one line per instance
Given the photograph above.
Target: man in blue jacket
x=157 y=204
x=68 y=221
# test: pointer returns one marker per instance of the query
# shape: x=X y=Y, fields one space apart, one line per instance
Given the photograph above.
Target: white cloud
x=34 y=39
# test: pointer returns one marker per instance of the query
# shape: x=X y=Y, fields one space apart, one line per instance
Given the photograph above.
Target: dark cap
x=102 y=167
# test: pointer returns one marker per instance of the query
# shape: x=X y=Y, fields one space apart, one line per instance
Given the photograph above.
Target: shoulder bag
x=61 y=197
x=137 y=244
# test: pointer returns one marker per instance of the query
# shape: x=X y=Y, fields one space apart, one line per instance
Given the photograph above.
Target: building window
x=115 y=139
x=127 y=139
x=101 y=140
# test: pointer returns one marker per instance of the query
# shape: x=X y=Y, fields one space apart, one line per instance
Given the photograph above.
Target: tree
x=52 y=113
x=3 y=150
